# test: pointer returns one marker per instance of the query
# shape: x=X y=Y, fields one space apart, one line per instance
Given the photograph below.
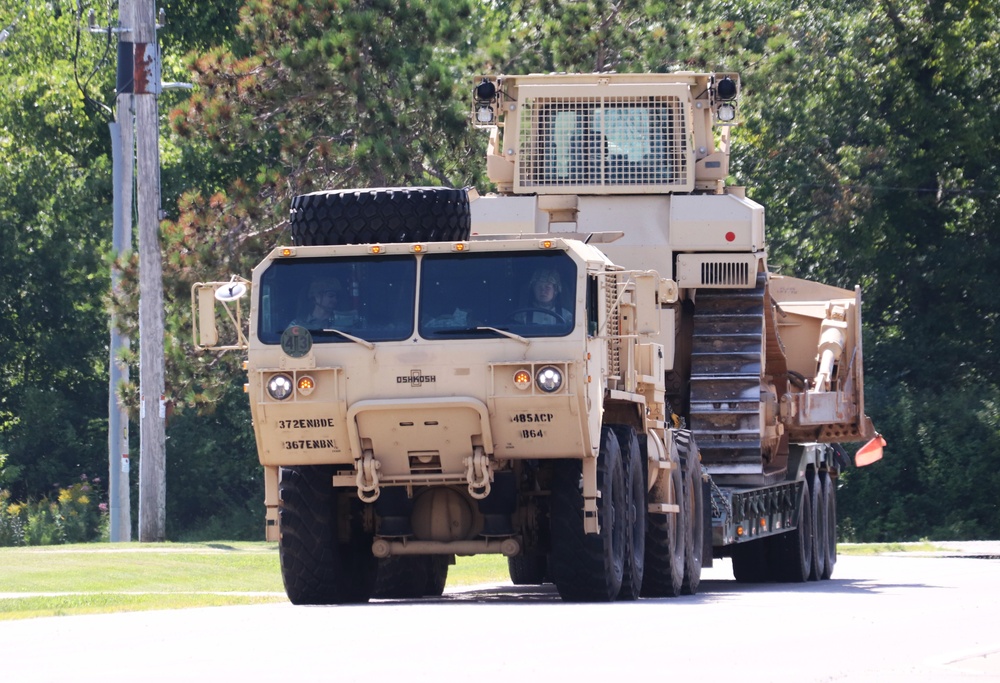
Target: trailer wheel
x=694 y=499
x=665 y=547
x=527 y=570
x=830 y=505
x=794 y=550
x=380 y=215
x=750 y=561
x=818 y=504
x=634 y=513
x=588 y=567
x=318 y=566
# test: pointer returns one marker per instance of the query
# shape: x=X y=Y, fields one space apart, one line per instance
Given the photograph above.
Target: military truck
x=590 y=371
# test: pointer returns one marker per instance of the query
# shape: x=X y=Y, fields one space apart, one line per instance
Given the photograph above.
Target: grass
x=105 y=577
x=882 y=548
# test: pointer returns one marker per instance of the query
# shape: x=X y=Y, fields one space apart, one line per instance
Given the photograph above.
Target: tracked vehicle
x=590 y=371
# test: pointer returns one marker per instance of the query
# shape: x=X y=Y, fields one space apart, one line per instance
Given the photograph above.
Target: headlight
x=280 y=387
x=549 y=379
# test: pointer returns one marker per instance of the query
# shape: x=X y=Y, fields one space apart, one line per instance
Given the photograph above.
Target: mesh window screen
x=602 y=141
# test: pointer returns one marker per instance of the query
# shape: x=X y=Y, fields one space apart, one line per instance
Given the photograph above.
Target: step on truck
x=590 y=371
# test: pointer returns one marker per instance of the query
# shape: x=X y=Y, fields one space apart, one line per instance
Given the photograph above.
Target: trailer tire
x=588 y=567
x=751 y=562
x=793 y=550
x=819 y=547
x=665 y=547
x=527 y=570
x=634 y=512
x=380 y=215
x=694 y=499
x=830 y=504
x=317 y=566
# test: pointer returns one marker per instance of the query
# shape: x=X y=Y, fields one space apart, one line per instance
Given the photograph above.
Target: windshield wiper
x=357 y=340
x=484 y=328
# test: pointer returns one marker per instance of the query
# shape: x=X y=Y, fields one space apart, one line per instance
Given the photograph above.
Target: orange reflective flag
x=870 y=452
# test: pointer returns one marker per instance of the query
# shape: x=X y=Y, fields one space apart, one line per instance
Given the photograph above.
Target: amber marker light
x=739 y=530
x=459 y=246
x=546 y=244
x=522 y=379
x=375 y=249
x=306 y=385
x=417 y=248
x=287 y=252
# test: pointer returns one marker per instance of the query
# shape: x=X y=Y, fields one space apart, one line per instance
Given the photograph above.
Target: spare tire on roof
x=381 y=215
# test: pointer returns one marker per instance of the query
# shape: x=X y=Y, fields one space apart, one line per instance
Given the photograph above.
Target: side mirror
x=205 y=296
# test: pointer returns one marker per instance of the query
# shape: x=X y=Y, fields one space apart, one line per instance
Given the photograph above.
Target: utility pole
x=152 y=408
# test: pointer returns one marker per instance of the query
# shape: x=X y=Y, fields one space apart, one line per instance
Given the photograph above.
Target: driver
x=324 y=294
x=544 y=309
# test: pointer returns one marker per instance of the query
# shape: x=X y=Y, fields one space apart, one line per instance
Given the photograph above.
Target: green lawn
x=105 y=577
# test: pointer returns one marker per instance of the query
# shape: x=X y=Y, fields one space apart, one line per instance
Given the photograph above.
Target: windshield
x=472 y=296
x=368 y=298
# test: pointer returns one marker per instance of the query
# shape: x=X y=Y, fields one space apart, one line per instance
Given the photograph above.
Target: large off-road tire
x=665 y=551
x=793 y=550
x=588 y=567
x=830 y=504
x=406 y=577
x=380 y=215
x=528 y=570
x=634 y=513
x=818 y=504
x=318 y=566
x=694 y=501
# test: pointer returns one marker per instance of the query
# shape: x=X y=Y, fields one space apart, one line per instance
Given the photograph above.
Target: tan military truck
x=591 y=372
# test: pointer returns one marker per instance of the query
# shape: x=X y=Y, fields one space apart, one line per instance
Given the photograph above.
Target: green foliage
x=74 y=516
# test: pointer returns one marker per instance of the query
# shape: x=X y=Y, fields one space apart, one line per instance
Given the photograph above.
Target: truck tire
x=411 y=576
x=437 y=575
x=793 y=550
x=634 y=513
x=588 y=567
x=694 y=500
x=818 y=505
x=380 y=215
x=318 y=567
x=527 y=570
x=830 y=505
x=665 y=551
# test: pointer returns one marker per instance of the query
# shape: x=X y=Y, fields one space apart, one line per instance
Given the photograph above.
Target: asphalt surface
x=908 y=617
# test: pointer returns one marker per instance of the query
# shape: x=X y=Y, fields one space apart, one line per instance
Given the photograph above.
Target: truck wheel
x=694 y=499
x=437 y=575
x=401 y=577
x=818 y=505
x=382 y=215
x=317 y=566
x=830 y=505
x=588 y=567
x=527 y=570
x=793 y=550
x=750 y=562
x=665 y=549
x=634 y=513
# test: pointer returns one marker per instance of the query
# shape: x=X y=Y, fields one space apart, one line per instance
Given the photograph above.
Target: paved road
x=885 y=619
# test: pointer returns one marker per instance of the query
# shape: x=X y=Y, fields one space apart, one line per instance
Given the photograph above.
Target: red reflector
x=870 y=452
x=730 y=236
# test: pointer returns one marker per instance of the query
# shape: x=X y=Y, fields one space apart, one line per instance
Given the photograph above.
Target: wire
x=100 y=106
x=5 y=33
